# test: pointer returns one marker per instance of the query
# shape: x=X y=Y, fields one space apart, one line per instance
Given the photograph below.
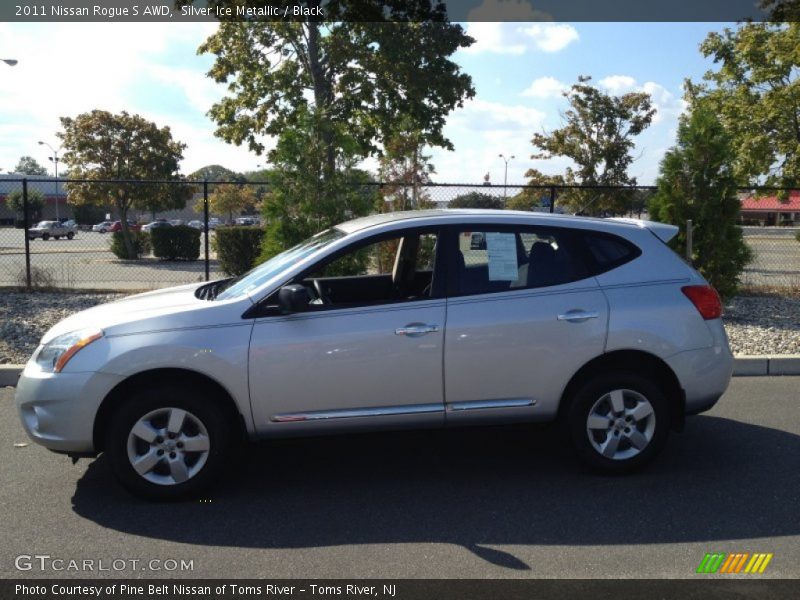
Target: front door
x=368 y=352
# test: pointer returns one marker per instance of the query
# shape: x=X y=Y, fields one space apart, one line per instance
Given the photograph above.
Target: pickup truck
x=51 y=229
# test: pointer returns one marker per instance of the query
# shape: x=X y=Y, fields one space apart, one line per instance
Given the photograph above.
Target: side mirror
x=293 y=298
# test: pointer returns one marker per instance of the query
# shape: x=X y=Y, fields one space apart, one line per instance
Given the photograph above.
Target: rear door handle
x=416 y=329
x=578 y=316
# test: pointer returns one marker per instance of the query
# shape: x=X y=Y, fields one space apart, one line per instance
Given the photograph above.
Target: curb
x=743 y=366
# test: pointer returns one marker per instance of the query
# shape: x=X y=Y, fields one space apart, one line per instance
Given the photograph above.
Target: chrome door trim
x=350 y=413
x=501 y=403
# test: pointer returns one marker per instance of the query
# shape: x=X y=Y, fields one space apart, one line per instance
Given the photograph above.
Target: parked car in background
x=177 y=222
x=247 y=221
x=595 y=323
x=50 y=229
x=70 y=223
x=117 y=226
x=103 y=227
x=214 y=222
x=156 y=225
x=196 y=225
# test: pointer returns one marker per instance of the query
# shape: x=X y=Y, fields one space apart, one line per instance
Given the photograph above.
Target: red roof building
x=769 y=210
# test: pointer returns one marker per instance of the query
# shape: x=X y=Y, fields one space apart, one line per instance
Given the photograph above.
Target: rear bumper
x=704 y=375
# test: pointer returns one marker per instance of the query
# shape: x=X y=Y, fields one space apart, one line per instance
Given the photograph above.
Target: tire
x=45 y=237
x=70 y=235
x=168 y=470
x=594 y=421
x=57 y=237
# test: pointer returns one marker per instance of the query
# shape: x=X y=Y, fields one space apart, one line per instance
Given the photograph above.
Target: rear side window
x=510 y=258
x=609 y=251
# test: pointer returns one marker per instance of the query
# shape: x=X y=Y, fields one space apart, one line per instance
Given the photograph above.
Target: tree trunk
x=322 y=100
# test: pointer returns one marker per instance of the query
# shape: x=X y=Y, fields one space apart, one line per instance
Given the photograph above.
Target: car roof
x=473 y=215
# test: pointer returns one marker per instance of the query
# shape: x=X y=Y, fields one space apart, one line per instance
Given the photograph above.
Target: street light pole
x=505 y=177
x=54 y=160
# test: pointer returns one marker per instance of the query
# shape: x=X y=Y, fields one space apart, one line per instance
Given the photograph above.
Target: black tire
x=57 y=237
x=45 y=237
x=70 y=235
x=595 y=393
x=207 y=410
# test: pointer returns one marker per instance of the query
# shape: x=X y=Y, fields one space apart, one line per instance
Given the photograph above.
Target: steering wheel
x=321 y=292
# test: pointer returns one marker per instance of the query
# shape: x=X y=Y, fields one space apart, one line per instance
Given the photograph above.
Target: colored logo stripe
x=733 y=563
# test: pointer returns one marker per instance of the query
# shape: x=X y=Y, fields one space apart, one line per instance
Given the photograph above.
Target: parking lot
x=87 y=262
x=490 y=502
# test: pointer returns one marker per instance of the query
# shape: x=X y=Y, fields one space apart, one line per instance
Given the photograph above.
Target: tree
x=99 y=146
x=530 y=198
x=342 y=70
x=476 y=200
x=227 y=199
x=297 y=204
x=216 y=173
x=28 y=165
x=404 y=171
x=598 y=136
x=755 y=92
x=697 y=182
x=16 y=202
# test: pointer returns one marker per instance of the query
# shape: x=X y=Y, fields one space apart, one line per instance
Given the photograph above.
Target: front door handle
x=578 y=316
x=416 y=329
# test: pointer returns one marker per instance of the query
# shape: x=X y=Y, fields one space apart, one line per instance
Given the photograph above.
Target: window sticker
x=502 y=251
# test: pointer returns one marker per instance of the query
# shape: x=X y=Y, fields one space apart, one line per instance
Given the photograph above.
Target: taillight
x=705 y=300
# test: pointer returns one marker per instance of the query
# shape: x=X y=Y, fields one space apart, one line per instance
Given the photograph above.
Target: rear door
x=523 y=315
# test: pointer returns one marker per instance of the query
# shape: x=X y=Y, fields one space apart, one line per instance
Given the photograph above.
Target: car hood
x=162 y=309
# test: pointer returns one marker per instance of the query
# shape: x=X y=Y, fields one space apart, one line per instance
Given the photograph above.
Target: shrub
x=181 y=242
x=237 y=248
x=797 y=236
x=139 y=239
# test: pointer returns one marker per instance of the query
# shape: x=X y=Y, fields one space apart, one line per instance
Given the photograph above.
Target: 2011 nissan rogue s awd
x=391 y=321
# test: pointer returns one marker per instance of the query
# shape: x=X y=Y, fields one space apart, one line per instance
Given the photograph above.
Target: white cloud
x=545 y=87
x=618 y=84
x=490 y=37
x=551 y=37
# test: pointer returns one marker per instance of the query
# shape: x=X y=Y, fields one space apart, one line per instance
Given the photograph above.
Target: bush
x=140 y=240
x=181 y=242
x=237 y=248
x=797 y=236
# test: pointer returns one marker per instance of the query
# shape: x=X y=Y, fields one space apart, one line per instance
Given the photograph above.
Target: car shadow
x=719 y=480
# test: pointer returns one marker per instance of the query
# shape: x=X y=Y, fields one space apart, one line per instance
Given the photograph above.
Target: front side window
x=506 y=259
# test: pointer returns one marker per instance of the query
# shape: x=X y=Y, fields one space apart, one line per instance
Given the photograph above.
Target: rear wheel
x=45 y=236
x=57 y=237
x=618 y=422
x=70 y=235
x=168 y=443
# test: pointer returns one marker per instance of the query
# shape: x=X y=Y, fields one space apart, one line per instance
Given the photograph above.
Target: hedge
x=140 y=240
x=180 y=242
x=237 y=248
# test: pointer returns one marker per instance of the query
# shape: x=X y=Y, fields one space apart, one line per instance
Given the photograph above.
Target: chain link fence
x=48 y=242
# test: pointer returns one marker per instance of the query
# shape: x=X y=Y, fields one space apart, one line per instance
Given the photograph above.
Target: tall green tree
x=99 y=145
x=697 y=182
x=476 y=200
x=530 y=198
x=216 y=173
x=297 y=203
x=28 y=165
x=341 y=70
x=405 y=170
x=755 y=90
x=598 y=136
x=227 y=199
x=15 y=202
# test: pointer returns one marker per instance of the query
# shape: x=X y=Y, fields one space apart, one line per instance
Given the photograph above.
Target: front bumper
x=58 y=409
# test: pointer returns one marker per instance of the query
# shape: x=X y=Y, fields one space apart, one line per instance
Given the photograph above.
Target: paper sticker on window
x=502 y=251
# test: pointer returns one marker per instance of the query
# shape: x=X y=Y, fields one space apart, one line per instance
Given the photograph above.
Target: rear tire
x=70 y=235
x=168 y=442
x=618 y=422
x=45 y=237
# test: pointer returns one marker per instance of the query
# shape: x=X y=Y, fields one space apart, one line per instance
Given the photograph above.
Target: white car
x=103 y=227
x=391 y=321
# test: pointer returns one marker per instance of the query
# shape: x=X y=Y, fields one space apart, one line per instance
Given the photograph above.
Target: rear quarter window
x=607 y=251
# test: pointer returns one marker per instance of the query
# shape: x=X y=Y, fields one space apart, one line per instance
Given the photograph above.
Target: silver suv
x=391 y=321
x=52 y=229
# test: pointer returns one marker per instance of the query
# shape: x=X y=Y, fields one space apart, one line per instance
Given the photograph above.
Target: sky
x=518 y=70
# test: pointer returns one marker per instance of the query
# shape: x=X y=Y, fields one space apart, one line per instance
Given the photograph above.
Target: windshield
x=266 y=271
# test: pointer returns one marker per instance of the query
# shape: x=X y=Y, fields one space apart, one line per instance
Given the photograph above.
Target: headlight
x=56 y=353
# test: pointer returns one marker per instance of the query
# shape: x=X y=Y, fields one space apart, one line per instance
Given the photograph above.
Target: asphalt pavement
x=489 y=502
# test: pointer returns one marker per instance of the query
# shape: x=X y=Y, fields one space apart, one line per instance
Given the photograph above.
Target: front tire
x=45 y=237
x=169 y=442
x=70 y=235
x=618 y=422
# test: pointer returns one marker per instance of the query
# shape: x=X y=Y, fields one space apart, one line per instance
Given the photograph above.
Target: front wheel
x=70 y=235
x=45 y=236
x=168 y=443
x=618 y=422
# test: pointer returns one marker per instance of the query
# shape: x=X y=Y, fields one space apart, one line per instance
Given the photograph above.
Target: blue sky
x=517 y=68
